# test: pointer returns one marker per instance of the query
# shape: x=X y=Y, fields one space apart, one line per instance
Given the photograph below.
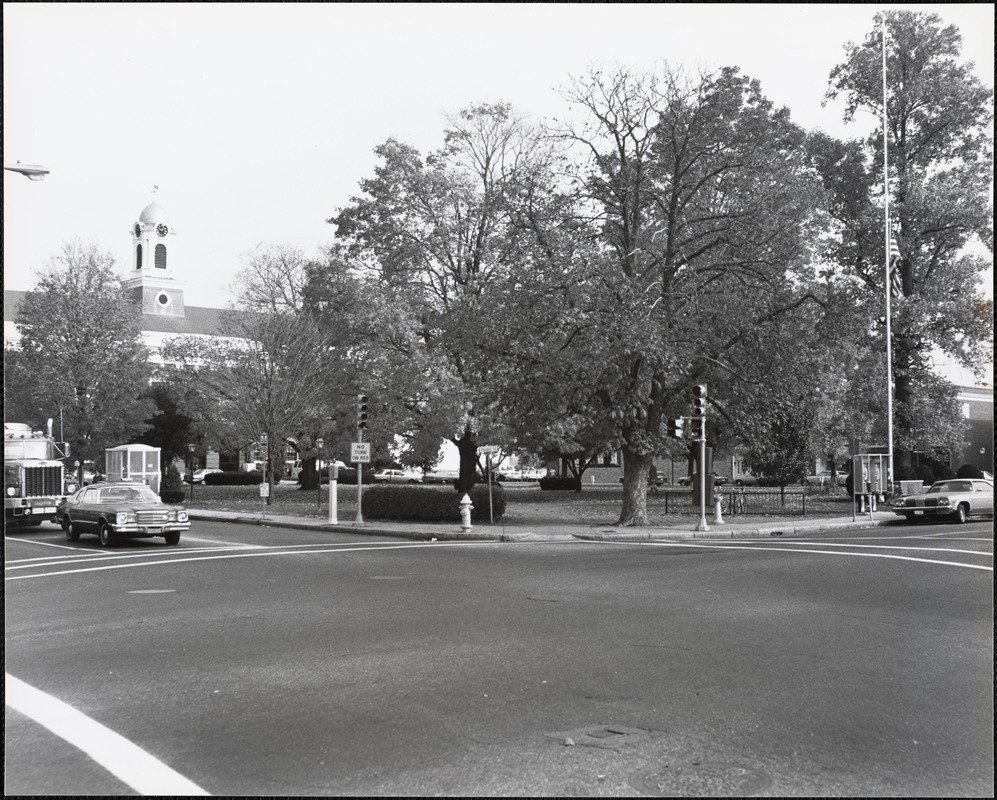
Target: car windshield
x=951 y=486
x=127 y=494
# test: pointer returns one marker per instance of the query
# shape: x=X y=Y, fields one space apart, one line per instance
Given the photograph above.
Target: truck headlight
x=11 y=491
x=70 y=488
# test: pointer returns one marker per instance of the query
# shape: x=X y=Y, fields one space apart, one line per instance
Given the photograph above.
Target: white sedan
x=959 y=498
x=397 y=476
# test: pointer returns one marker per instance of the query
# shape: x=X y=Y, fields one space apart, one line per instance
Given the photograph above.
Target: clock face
x=138 y=230
x=162 y=230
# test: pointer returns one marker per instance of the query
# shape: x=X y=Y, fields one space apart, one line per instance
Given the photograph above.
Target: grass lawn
x=527 y=503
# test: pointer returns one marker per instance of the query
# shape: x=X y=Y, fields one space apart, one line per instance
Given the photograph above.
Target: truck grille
x=42 y=481
x=151 y=517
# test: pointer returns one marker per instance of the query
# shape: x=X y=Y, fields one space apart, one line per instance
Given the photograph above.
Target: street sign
x=489 y=450
x=264 y=489
x=360 y=452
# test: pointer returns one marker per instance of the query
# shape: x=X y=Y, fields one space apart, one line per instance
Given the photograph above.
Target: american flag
x=896 y=281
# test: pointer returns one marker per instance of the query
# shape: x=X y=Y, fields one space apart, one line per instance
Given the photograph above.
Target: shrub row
x=233 y=478
x=565 y=484
x=429 y=503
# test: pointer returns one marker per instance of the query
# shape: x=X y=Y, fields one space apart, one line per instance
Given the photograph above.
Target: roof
x=196 y=319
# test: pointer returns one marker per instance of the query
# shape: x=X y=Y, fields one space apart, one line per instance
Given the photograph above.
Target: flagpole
x=887 y=282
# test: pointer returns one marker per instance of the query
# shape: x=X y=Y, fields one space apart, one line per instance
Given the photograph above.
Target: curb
x=609 y=534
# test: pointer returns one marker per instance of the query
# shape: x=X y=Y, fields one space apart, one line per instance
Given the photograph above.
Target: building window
x=138 y=257
x=160 y=256
x=163 y=299
x=965 y=410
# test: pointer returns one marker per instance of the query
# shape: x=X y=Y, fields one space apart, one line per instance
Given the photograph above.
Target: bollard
x=717 y=515
x=465 y=514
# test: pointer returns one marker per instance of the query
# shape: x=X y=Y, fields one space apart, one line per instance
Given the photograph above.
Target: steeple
x=152 y=280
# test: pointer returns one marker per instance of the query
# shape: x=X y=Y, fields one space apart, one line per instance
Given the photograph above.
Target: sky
x=257 y=121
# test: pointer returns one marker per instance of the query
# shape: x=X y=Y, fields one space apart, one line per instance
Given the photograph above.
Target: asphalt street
x=256 y=660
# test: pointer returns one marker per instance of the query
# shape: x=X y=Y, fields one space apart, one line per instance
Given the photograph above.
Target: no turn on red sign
x=360 y=452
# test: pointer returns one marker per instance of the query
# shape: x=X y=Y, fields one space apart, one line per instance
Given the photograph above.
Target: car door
x=86 y=514
x=983 y=499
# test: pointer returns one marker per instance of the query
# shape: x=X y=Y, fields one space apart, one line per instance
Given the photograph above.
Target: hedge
x=562 y=484
x=429 y=503
x=233 y=478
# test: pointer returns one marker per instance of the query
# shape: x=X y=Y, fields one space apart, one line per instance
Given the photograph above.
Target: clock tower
x=151 y=280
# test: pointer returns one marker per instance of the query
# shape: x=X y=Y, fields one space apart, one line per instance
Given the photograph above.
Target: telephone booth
x=134 y=462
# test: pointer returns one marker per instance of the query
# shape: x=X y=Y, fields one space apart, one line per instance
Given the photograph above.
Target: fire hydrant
x=465 y=514
x=717 y=515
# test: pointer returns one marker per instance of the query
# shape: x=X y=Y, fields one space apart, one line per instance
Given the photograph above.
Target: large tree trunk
x=635 y=471
x=467 y=447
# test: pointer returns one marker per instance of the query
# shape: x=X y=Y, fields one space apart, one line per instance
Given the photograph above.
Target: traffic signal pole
x=702 y=484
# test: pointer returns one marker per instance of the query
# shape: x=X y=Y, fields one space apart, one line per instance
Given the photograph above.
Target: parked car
x=718 y=480
x=198 y=476
x=397 y=476
x=440 y=476
x=122 y=509
x=746 y=480
x=960 y=498
x=824 y=478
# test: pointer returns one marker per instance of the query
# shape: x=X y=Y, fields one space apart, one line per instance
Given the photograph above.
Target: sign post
x=360 y=455
x=264 y=495
x=488 y=451
x=333 y=493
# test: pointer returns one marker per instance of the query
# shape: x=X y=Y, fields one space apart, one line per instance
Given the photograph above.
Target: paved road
x=265 y=661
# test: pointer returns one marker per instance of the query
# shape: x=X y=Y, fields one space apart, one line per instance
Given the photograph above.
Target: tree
x=81 y=356
x=939 y=130
x=437 y=233
x=269 y=378
x=699 y=194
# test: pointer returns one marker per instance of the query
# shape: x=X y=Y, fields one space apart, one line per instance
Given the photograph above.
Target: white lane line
x=878 y=547
x=253 y=554
x=125 y=760
x=887 y=556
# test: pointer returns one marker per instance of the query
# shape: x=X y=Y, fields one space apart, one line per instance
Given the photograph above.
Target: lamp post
x=983 y=459
x=33 y=172
x=319 y=444
x=190 y=469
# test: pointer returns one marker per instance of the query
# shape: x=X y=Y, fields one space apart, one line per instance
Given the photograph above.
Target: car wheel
x=172 y=538
x=961 y=513
x=72 y=533
x=106 y=535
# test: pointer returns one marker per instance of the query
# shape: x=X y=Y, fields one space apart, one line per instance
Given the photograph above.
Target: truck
x=35 y=478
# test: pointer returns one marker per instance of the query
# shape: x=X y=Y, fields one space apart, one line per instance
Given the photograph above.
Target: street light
x=190 y=476
x=33 y=172
x=983 y=459
x=319 y=444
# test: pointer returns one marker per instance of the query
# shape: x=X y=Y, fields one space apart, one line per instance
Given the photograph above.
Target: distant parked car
x=718 y=480
x=824 y=478
x=198 y=476
x=440 y=476
x=746 y=480
x=122 y=509
x=397 y=476
x=960 y=498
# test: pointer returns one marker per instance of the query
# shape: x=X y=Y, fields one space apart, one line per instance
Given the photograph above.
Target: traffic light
x=676 y=428
x=697 y=428
x=699 y=400
x=361 y=411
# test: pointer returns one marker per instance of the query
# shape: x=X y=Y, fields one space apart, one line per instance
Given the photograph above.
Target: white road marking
x=888 y=556
x=125 y=760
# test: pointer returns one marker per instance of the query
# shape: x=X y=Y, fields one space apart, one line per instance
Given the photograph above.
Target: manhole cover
x=701 y=780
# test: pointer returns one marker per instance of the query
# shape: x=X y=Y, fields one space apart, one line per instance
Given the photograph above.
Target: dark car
x=960 y=498
x=119 y=510
x=718 y=480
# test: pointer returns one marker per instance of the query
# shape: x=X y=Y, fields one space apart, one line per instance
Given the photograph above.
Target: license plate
x=154 y=530
x=918 y=513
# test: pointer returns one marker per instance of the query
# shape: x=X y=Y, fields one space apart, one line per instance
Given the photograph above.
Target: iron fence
x=737 y=502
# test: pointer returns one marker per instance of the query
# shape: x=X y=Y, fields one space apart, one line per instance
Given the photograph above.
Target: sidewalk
x=558 y=531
